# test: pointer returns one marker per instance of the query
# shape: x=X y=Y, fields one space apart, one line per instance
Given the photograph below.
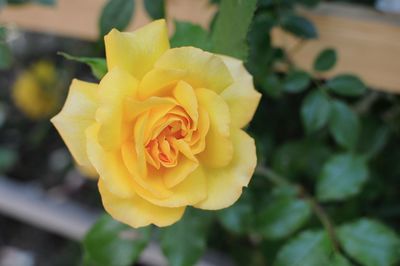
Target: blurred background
x=46 y=203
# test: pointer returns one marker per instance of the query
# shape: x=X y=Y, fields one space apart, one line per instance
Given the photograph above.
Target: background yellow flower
x=35 y=92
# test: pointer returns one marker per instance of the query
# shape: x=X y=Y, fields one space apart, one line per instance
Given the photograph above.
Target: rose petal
x=186 y=97
x=218 y=150
x=198 y=68
x=174 y=176
x=224 y=186
x=114 y=88
x=217 y=109
x=136 y=211
x=154 y=184
x=134 y=107
x=188 y=192
x=108 y=165
x=241 y=96
x=137 y=51
x=77 y=115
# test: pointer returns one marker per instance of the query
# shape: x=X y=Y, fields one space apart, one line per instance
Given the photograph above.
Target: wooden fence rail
x=368 y=42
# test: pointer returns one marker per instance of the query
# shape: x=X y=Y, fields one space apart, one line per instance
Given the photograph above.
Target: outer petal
x=114 y=88
x=217 y=109
x=198 y=68
x=137 y=51
x=188 y=192
x=241 y=96
x=136 y=211
x=218 y=149
x=77 y=114
x=224 y=185
x=109 y=166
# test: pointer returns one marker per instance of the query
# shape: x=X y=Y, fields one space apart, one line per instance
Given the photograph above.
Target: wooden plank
x=368 y=44
x=61 y=216
x=79 y=18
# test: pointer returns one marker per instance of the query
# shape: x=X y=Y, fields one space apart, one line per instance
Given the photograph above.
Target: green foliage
x=184 y=242
x=5 y=52
x=315 y=111
x=370 y=243
x=271 y=85
x=342 y=176
x=47 y=2
x=238 y=218
x=373 y=137
x=155 y=8
x=344 y=125
x=296 y=81
x=116 y=14
x=97 y=65
x=347 y=85
x=231 y=27
x=326 y=60
x=283 y=215
x=8 y=158
x=304 y=157
x=299 y=26
x=110 y=243
x=311 y=248
x=189 y=34
x=5 y=56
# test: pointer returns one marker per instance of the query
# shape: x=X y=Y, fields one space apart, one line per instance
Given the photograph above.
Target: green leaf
x=116 y=14
x=239 y=217
x=8 y=158
x=310 y=248
x=370 y=243
x=188 y=34
x=373 y=138
x=47 y=2
x=184 y=242
x=346 y=85
x=339 y=260
x=231 y=27
x=342 y=176
x=111 y=243
x=155 y=8
x=309 y=3
x=315 y=111
x=296 y=81
x=344 y=125
x=299 y=26
x=5 y=56
x=17 y=2
x=326 y=60
x=282 y=216
x=271 y=85
x=289 y=159
x=96 y=64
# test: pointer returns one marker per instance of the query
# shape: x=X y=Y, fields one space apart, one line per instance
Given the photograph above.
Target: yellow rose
x=34 y=91
x=163 y=128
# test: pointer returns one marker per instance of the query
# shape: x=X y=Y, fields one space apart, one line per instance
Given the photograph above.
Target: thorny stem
x=323 y=217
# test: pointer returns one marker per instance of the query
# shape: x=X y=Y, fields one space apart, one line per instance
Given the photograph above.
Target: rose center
x=162 y=149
